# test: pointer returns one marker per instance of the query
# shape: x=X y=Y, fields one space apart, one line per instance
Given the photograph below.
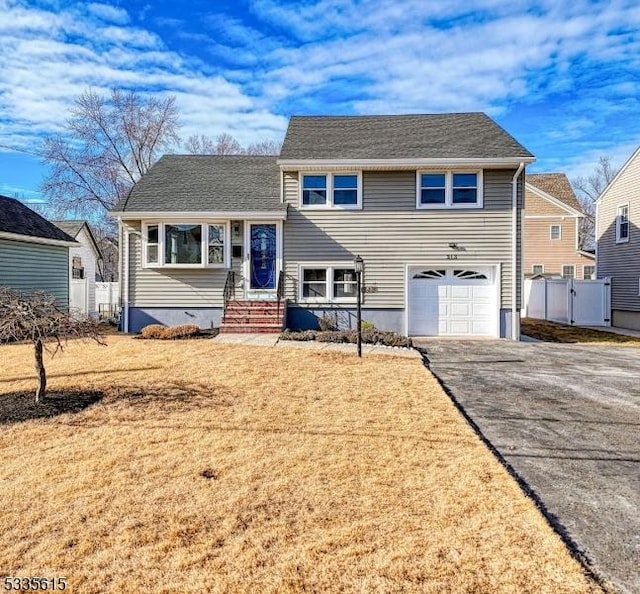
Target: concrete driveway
x=566 y=419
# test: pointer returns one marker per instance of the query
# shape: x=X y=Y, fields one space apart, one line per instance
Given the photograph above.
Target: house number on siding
x=452 y=256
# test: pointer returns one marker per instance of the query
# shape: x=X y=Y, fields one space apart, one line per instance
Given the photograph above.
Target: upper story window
x=555 y=232
x=327 y=190
x=186 y=245
x=449 y=189
x=622 y=224
x=77 y=270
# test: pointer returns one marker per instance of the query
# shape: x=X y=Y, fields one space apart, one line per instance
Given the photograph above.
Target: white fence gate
x=107 y=299
x=78 y=298
x=575 y=302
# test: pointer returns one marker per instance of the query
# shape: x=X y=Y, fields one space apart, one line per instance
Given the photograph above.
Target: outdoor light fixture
x=358 y=265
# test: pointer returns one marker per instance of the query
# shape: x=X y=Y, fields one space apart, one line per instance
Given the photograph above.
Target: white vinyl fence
x=575 y=302
x=107 y=299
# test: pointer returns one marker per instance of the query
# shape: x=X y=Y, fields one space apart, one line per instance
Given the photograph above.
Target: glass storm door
x=262 y=256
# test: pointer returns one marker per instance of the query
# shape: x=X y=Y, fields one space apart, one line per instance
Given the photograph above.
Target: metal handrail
x=229 y=287
x=280 y=288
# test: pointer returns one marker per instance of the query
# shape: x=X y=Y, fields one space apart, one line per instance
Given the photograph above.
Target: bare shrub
x=154 y=331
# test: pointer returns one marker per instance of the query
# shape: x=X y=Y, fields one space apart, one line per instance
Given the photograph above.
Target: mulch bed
x=16 y=407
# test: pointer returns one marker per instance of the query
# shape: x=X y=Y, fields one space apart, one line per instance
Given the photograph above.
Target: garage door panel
x=456 y=304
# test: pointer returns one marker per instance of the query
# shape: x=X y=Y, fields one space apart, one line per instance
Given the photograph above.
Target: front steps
x=250 y=316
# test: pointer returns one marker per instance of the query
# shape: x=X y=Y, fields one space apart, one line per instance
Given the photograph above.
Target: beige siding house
x=618 y=242
x=551 y=222
x=431 y=203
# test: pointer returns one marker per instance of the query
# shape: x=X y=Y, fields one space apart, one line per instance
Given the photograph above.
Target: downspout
x=125 y=283
x=515 y=317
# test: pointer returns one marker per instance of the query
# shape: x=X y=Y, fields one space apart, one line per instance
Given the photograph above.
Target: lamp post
x=358 y=265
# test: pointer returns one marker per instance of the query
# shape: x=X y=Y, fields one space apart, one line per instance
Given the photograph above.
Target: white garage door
x=452 y=301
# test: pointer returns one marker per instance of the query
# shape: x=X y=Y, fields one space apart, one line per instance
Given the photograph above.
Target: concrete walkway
x=273 y=340
x=566 y=419
x=612 y=330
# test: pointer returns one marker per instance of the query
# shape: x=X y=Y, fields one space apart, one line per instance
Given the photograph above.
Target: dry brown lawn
x=554 y=332
x=221 y=468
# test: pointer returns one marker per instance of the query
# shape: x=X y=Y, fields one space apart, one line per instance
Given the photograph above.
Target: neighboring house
x=432 y=203
x=83 y=265
x=34 y=253
x=551 y=229
x=618 y=242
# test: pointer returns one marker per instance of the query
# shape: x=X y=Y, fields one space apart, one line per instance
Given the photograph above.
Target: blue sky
x=562 y=77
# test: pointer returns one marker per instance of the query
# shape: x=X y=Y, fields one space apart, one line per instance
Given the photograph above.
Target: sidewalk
x=274 y=341
x=612 y=330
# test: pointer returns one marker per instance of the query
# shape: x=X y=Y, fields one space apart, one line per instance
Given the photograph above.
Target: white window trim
x=588 y=266
x=329 y=204
x=618 y=238
x=534 y=265
x=204 y=244
x=551 y=238
x=566 y=266
x=448 y=193
x=329 y=267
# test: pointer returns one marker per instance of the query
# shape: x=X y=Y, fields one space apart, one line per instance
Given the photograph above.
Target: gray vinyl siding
x=172 y=287
x=621 y=261
x=390 y=232
x=31 y=266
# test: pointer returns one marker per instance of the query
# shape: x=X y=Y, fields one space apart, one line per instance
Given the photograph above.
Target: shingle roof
x=451 y=135
x=192 y=183
x=69 y=227
x=73 y=227
x=556 y=185
x=17 y=218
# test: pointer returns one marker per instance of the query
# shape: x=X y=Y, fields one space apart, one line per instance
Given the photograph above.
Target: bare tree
x=265 y=147
x=225 y=144
x=587 y=190
x=38 y=319
x=200 y=145
x=107 y=145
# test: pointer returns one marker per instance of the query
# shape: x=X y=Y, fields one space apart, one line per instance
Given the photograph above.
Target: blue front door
x=262 y=257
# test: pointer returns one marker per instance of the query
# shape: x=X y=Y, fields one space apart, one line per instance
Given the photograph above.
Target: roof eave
x=412 y=163
x=201 y=214
x=35 y=239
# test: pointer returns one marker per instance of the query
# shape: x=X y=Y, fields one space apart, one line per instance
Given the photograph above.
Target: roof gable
x=556 y=188
x=630 y=161
x=207 y=183
x=73 y=228
x=424 y=136
x=18 y=219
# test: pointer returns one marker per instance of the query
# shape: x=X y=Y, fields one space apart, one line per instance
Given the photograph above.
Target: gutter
x=515 y=318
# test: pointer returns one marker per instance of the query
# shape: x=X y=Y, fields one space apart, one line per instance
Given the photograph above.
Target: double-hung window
x=622 y=224
x=331 y=190
x=568 y=271
x=555 y=232
x=327 y=283
x=449 y=189
x=537 y=269
x=186 y=245
x=588 y=272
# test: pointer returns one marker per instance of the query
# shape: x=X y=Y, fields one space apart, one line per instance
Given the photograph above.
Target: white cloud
x=109 y=13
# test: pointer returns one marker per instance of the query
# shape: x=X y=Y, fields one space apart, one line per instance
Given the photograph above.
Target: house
x=34 y=253
x=83 y=265
x=552 y=218
x=618 y=242
x=432 y=203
